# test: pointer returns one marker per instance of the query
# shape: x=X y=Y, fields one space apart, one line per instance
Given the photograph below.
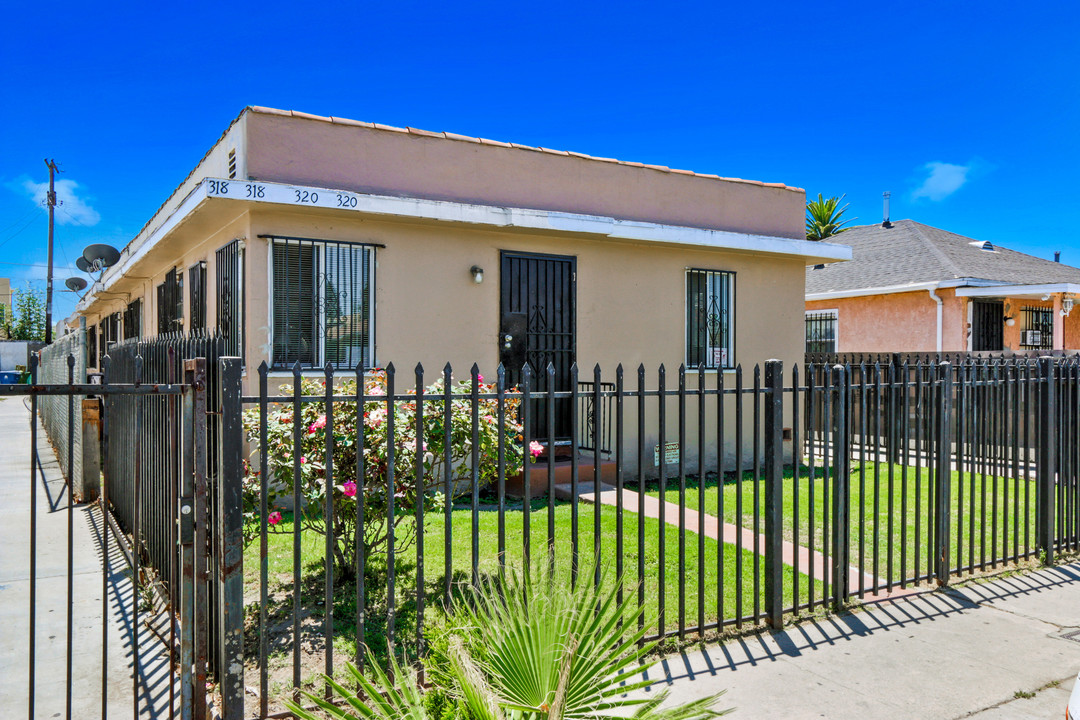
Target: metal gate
x=142 y=639
x=538 y=326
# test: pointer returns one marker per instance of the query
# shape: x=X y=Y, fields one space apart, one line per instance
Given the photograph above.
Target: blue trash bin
x=9 y=377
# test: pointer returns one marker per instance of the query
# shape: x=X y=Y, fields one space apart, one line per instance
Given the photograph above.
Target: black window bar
x=1038 y=328
x=322 y=302
x=197 y=296
x=170 y=303
x=710 y=302
x=821 y=332
x=230 y=297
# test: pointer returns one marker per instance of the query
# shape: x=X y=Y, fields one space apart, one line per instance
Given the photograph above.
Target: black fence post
x=943 y=479
x=1046 y=471
x=896 y=368
x=774 y=492
x=841 y=500
x=229 y=530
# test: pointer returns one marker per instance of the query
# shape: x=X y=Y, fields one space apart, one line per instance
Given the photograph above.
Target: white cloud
x=942 y=181
x=73 y=210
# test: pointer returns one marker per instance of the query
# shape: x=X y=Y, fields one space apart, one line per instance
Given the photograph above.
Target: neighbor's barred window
x=710 y=331
x=1038 y=328
x=821 y=331
x=322 y=303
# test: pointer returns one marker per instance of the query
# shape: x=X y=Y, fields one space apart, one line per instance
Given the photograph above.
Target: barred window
x=230 y=297
x=197 y=296
x=710 y=331
x=322 y=303
x=170 y=303
x=821 y=326
x=1038 y=328
x=133 y=319
x=92 y=347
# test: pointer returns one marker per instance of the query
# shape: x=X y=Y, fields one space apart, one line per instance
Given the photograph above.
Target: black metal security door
x=538 y=325
x=987 y=325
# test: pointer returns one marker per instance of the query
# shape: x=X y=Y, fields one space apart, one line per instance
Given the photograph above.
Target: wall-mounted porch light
x=477 y=274
x=1066 y=306
x=1010 y=321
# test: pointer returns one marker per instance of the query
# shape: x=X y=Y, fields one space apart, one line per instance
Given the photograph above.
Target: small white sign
x=719 y=357
x=671 y=454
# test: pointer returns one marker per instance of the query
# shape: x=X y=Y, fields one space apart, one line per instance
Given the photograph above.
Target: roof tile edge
x=483 y=141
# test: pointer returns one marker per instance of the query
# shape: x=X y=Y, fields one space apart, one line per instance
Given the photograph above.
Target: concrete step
x=538 y=478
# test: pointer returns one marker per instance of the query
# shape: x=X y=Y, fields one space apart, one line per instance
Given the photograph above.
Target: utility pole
x=50 y=200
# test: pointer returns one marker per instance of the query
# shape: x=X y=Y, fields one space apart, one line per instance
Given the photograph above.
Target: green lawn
x=889 y=526
x=721 y=586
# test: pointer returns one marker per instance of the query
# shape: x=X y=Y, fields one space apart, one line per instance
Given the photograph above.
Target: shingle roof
x=910 y=252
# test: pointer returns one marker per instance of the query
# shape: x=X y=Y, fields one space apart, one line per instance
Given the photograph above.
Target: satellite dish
x=101 y=256
x=80 y=262
x=75 y=284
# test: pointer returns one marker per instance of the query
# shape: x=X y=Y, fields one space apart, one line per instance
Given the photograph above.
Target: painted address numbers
x=284 y=194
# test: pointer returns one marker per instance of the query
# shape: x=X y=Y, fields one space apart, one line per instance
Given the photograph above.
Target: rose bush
x=370 y=491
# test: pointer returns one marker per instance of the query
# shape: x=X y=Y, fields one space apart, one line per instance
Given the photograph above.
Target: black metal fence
x=728 y=498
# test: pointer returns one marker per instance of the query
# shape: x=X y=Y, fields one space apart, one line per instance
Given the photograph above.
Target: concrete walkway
x=51 y=591
x=732 y=534
x=974 y=652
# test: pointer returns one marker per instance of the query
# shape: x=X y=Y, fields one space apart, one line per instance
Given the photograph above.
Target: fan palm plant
x=824 y=217
x=525 y=650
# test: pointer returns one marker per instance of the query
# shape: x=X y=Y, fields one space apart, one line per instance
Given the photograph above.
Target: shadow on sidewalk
x=881 y=617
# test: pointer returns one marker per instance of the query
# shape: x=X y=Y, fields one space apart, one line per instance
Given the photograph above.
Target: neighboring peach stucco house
x=914 y=288
x=324 y=240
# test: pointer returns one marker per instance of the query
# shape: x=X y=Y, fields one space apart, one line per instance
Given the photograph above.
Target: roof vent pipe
x=885 y=223
x=1057 y=256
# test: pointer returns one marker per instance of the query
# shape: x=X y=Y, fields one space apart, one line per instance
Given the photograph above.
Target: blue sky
x=968 y=113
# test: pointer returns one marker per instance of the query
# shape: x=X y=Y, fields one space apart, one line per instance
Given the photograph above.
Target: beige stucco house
x=915 y=288
x=325 y=240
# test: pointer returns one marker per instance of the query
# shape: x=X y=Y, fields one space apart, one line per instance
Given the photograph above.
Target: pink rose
x=535 y=448
x=349 y=488
x=274 y=518
x=303 y=459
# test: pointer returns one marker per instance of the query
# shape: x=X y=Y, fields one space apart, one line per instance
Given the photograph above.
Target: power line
x=28 y=214
x=18 y=232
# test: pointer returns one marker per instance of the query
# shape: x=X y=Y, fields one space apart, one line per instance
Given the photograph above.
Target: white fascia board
x=997 y=290
x=279 y=194
x=910 y=287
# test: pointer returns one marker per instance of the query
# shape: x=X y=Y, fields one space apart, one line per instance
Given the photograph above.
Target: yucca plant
x=823 y=217
x=521 y=649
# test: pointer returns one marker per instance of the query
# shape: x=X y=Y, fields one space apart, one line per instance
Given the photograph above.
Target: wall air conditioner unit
x=1031 y=337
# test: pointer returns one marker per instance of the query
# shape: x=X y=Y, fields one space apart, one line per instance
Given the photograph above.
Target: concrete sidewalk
x=966 y=652
x=87 y=574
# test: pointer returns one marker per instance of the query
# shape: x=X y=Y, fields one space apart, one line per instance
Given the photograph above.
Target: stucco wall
x=285 y=148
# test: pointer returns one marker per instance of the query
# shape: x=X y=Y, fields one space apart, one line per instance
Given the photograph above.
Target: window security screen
x=710 y=300
x=322 y=303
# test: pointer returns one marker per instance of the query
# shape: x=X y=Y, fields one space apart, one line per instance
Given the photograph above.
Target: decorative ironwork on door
x=539 y=326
